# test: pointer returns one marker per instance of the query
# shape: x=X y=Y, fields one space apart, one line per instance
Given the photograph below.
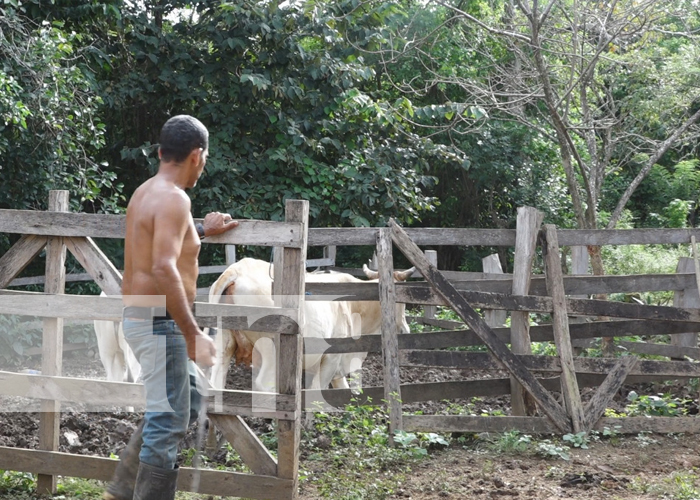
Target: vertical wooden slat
x=329 y=252
x=527 y=226
x=390 y=338
x=560 y=324
x=491 y=264
x=688 y=299
x=431 y=255
x=52 y=342
x=230 y=254
x=290 y=347
x=579 y=267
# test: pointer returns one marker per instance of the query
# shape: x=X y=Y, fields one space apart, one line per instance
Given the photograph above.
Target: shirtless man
x=159 y=287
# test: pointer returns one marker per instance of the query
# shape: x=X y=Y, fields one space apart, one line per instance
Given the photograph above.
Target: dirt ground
x=630 y=467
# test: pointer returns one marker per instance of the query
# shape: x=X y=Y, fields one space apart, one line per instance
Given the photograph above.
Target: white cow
x=251 y=275
x=249 y=282
x=117 y=357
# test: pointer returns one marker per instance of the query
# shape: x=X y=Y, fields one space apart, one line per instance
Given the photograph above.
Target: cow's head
x=400 y=307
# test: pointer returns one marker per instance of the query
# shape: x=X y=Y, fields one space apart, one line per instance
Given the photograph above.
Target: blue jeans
x=169 y=378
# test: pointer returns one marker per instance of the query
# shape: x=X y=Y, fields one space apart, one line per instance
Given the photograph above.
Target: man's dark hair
x=180 y=135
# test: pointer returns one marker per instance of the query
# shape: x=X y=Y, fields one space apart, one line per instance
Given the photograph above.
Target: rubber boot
x=155 y=483
x=121 y=487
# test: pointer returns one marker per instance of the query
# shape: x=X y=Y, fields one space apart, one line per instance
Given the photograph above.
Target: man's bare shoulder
x=160 y=197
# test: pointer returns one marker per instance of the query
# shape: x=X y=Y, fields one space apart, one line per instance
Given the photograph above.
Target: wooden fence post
x=560 y=325
x=52 y=342
x=230 y=254
x=390 y=339
x=329 y=252
x=491 y=264
x=579 y=267
x=291 y=346
x=688 y=299
x=527 y=226
x=431 y=255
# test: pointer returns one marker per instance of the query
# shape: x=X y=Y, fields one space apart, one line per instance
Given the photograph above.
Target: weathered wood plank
x=539 y=425
x=91 y=307
x=687 y=298
x=52 y=341
x=528 y=223
x=486 y=361
x=291 y=347
x=581 y=307
x=75 y=390
x=431 y=255
x=423 y=236
x=96 y=263
x=539 y=333
x=102 y=393
x=460 y=389
x=607 y=390
x=548 y=404
x=560 y=324
x=601 y=237
x=505 y=237
x=212 y=482
x=249 y=232
x=19 y=256
x=246 y=443
x=490 y=264
x=579 y=285
x=671 y=351
x=390 y=331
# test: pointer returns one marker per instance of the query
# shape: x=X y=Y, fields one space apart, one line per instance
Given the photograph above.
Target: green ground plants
x=358 y=460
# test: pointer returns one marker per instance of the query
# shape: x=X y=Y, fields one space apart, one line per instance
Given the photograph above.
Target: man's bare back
x=162 y=246
x=152 y=202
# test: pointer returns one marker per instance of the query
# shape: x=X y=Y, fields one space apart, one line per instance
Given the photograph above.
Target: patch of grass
x=359 y=463
x=511 y=442
x=680 y=485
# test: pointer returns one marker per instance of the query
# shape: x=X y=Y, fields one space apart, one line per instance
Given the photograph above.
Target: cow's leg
x=225 y=343
x=111 y=354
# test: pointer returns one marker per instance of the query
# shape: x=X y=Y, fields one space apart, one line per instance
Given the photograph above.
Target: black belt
x=147 y=313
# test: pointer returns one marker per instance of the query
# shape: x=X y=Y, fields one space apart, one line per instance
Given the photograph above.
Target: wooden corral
x=549 y=384
x=58 y=231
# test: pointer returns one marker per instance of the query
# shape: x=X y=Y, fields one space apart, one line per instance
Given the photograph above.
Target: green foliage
x=281 y=91
x=549 y=449
x=662 y=405
x=50 y=128
x=578 y=440
x=16 y=482
x=511 y=442
x=355 y=443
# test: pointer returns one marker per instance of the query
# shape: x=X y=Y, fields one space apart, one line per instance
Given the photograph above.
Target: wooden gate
x=543 y=378
x=58 y=230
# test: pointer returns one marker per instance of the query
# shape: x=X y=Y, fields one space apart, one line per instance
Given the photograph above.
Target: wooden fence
x=533 y=379
x=58 y=231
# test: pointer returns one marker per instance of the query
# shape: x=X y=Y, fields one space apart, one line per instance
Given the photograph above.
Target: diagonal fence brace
x=497 y=347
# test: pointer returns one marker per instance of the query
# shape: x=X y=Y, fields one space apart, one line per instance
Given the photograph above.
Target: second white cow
x=118 y=359
x=249 y=282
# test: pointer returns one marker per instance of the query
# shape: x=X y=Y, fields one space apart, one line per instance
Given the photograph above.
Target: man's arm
x=169 y=229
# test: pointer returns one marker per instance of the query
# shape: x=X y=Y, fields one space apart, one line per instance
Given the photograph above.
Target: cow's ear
x=404 y=275
x=373 y=275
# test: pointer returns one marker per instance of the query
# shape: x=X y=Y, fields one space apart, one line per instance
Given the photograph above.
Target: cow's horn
x=404 y=275
x=373 y=275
